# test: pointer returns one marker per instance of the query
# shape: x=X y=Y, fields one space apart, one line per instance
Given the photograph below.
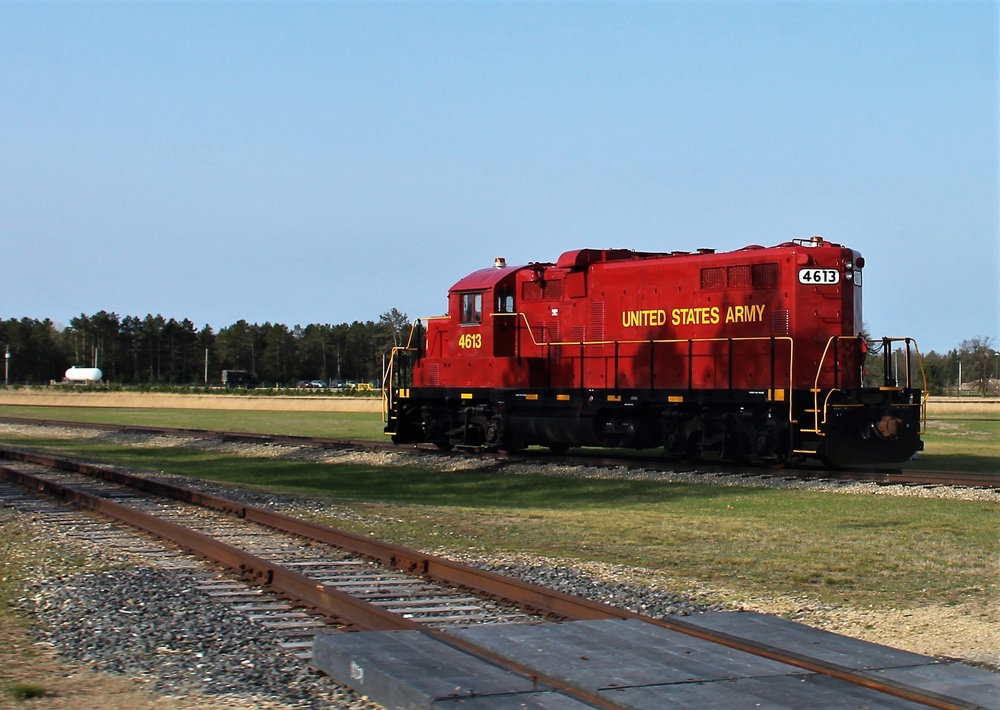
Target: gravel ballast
x=153 y=623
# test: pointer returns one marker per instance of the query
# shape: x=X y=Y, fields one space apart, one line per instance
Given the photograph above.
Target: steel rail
x=365 y=616
x=297 y=586
x=330 y=602
x=554 y=604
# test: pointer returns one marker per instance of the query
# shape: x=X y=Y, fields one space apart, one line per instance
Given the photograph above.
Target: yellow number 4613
x=471 y=341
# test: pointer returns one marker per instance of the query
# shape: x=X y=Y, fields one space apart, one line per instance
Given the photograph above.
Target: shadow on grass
x=412 y=484
x=955 y=462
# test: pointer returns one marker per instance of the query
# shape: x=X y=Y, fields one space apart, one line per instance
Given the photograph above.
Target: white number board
x=819 y=277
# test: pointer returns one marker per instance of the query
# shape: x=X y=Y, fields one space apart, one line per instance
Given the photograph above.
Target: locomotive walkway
x=594 y=655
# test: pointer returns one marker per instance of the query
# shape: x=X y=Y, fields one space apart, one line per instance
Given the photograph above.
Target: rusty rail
x=365 y=616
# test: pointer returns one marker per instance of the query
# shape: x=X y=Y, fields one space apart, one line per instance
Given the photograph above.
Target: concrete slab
x=976 y=686
x=409 y=669
x=806 y=640
x=616 y=653
x=639 y=665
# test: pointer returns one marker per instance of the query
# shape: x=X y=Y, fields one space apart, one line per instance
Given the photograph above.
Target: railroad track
x=302 y=578
x=905 y=477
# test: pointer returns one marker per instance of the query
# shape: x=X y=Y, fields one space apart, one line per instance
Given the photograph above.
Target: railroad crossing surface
x=630 y=663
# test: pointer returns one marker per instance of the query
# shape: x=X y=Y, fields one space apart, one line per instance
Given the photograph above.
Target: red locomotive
x=755 y=354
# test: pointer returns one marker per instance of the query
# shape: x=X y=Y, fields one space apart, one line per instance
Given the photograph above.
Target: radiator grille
x=779 y=322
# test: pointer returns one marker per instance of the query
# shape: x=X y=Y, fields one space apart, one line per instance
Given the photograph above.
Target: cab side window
x=505 y=300
x=472 y=308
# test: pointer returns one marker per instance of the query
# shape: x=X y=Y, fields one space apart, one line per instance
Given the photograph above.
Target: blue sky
x=325 y=162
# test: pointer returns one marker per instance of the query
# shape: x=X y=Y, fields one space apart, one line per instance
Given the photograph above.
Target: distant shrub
x=26 y=691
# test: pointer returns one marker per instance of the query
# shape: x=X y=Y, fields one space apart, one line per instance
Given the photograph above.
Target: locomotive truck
x=756 y=354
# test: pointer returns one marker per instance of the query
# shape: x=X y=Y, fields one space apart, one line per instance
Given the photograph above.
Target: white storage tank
x=84 y=374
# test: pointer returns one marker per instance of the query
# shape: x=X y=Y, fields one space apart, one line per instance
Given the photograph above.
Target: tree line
x=972 y=367
x=159 y=351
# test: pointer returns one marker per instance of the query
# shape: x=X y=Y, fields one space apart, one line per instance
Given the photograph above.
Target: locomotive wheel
x=558 y=449
x=779 y=461
x=444 y=445
x=511 y=444
x=692 y=449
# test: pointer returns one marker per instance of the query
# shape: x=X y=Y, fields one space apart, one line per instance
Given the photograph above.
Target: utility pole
x=6 y=367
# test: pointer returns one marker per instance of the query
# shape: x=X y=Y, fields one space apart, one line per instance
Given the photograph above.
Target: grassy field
x=955 y=444
x=877 y=551
x=342 y=425
x=951 y=444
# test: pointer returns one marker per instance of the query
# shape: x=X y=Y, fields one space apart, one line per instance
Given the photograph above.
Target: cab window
x=505 y=300
x=472 y=308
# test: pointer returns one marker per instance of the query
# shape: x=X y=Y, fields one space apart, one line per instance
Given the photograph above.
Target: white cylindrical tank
x=84 y=374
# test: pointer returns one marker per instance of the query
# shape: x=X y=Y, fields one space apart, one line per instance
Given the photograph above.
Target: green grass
x=24 y=691
x=950 y=444
x=955 y=444
x=340 y=425
x=862 y=550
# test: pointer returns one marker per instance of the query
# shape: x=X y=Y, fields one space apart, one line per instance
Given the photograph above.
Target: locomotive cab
x=464 y=357
x=471 y=345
